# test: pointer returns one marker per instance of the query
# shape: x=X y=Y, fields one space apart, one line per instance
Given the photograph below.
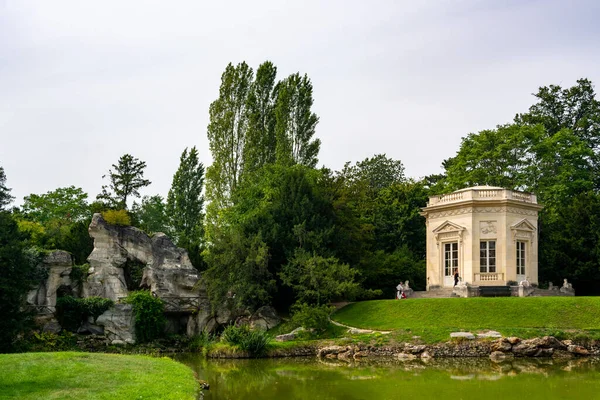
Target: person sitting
x=400 y=291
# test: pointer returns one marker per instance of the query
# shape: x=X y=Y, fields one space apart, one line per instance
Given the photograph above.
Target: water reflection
x=462 y=378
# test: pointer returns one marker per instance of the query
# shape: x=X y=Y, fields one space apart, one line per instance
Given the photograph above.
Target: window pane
x=492 y=244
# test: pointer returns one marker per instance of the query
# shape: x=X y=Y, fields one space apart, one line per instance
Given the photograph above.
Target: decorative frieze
x=479 y=210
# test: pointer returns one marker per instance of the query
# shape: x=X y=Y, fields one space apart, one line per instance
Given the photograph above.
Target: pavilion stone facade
x=488 y=234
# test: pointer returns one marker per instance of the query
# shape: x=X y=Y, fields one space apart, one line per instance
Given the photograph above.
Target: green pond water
x=308 y=378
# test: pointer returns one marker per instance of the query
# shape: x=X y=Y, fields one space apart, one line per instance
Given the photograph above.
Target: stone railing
x=482 y=194
x=447 y=198
x=177 y=303
x=489 y=276
x=181 y=304
x=43 y=309
x=486 y=194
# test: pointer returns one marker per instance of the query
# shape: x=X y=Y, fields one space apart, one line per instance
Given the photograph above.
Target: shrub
x=96 y=306
x=117 y=217
x=201 y=341
x=311 y=317
x=79 y=273
x=255 y=343
x=149 y=315
x=47 y=341
x=71 y=311
x=234 y=334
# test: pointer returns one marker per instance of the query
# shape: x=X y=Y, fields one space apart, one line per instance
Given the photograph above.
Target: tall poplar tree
x=260 y=139
x=227 y=135
x=295 y=122
x=185 y=204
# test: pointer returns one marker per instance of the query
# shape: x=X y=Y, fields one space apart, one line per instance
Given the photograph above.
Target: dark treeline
x=277 y=230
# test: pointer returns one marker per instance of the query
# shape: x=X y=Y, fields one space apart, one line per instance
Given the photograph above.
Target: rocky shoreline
x=502 y=348
x=498 y=349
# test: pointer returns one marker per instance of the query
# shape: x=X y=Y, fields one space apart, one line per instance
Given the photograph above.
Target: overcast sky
x=84 y=82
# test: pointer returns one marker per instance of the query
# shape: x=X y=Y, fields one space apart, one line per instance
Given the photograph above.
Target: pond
x=309 y=378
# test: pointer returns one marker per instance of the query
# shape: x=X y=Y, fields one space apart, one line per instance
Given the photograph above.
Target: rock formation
x=125 y=259
x=58 y=264
x=167 y=270
x=43 y=299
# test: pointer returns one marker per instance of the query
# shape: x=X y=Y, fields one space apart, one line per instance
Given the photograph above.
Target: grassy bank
x=434 y=319
x=70 y=375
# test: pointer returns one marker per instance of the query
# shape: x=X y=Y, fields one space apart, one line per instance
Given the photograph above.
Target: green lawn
x=435 y=318
x=81 y=376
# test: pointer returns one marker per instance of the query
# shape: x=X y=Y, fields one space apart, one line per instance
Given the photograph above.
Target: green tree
x=318 y=280
x=378 y=225
x=377 y=172
x=523 y=157
x=259 y=149
x=295 y=122
x=569 y=244
x=58 y=219
x=282 y=209
x=17 y=277
x=150 y=215
x=366 y=178
x=5 y=197
x=125 y=181
x=574 y=108
x=497 y=157
x=185 y=205
x=239 y=269
x=398 y=221
x=227 y=135
x=63 y=205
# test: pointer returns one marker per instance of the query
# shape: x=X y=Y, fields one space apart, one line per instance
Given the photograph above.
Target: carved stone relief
x=488 y=227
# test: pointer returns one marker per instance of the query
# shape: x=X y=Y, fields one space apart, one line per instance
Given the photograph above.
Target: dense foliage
x=149 y=315
x=150 y=215
x=311 y=317
x=254 y=342
x=71 y=312
x=117 y=217
x=18 y=274
x=57 y=219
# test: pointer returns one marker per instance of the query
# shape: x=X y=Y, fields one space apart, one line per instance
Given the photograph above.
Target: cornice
x=479 y=204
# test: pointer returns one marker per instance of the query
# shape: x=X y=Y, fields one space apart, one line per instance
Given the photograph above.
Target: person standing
x=456 y=277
